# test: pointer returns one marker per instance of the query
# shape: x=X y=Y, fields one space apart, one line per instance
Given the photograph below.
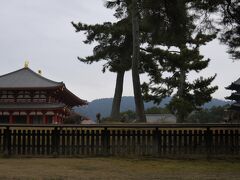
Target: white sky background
x=41 y=32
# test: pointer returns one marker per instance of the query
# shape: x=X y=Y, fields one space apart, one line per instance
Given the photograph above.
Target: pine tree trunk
x=181 y=82
x=180 y=117
x=115 y=114
x=135 y=65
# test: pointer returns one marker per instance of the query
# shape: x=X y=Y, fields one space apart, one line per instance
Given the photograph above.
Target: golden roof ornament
x=26 y=63
x=40 y=72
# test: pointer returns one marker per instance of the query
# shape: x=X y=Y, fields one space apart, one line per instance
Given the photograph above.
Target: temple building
x=233 y=113
x=26 y=97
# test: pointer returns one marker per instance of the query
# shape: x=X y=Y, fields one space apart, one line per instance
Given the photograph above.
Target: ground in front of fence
x=117 y=168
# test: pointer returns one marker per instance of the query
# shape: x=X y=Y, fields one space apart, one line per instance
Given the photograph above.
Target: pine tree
x=130 y=10
x=135 y=63
x=228 y=17
x=231 y=29
x=115 y=47
x=176 y=52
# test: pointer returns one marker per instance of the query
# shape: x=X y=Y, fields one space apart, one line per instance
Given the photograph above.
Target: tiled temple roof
x=26 y=78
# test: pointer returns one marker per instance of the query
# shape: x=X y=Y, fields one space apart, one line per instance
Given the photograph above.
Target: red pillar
x=44 y=118
x=61 y=120
x=10 y=118
x=28 y=117
x=55 y=118
x=58 y=119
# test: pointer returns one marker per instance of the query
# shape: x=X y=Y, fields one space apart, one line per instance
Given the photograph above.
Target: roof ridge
x=38 y=75
x=11 y=72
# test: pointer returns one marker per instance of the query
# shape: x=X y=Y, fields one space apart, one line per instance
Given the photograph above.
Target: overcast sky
x=40 y=32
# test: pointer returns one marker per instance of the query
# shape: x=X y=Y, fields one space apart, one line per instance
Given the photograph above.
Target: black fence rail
x=121 y=140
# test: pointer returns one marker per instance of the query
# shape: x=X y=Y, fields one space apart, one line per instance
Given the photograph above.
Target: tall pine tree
x=136 y=62
x=176 y=52
x=115 y=47
x=130 y=9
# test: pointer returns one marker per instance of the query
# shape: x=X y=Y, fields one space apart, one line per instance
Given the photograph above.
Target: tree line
x=215 y=114
x=161 y=38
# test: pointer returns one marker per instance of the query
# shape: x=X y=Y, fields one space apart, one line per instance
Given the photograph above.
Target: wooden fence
x=121 y=140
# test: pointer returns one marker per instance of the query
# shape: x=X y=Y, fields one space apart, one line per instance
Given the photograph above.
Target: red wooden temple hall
x=27 y=97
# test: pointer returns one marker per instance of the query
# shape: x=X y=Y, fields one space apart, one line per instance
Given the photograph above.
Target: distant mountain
x=215 y=102
x=104 y=105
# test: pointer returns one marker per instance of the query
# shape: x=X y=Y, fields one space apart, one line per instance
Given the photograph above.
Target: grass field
x=116 y=168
